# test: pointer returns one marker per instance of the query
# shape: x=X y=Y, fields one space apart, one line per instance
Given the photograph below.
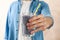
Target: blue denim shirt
x=13 y=19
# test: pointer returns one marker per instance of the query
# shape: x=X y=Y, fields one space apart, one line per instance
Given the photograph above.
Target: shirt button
x=17 y=21
x=16 y=38
x=16 y=29
x=18 y=12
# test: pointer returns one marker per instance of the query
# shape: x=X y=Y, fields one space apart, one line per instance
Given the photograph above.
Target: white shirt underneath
x=24 y=11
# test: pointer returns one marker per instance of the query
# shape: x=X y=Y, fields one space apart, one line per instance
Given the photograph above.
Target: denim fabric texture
x=12 y=21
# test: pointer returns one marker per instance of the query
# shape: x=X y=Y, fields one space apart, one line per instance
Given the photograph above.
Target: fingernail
x=28 y=28
x=29 y=20
x=32 y=32
x=27 y=24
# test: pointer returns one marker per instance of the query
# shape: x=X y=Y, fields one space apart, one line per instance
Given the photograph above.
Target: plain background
x=52 y=34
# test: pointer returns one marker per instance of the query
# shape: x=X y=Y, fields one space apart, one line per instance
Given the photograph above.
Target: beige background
x=54 y=32
x=51 y=34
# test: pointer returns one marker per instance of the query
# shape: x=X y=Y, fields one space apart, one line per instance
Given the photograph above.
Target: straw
x=37 y=8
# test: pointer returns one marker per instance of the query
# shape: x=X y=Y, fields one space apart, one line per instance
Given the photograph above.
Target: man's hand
x=39 y=22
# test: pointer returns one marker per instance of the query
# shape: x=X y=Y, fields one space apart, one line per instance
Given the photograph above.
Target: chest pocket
x=34 y=6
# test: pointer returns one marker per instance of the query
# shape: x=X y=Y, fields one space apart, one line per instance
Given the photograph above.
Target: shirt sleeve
x=45 y=9
x=46 y=12
x=7 y=27
x=7 y=23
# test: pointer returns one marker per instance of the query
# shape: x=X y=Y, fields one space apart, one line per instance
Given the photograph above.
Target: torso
x=24 y=11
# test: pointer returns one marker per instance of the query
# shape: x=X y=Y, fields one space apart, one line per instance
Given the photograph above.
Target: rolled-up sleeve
x=45 y=9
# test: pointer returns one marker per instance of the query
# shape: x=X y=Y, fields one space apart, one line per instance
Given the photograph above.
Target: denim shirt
x=13 y=19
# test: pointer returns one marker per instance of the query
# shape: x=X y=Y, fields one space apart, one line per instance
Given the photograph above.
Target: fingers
x=36 y=21
x=35 y=18
x=38 y=29
x=42 y=27
x=36 y=25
